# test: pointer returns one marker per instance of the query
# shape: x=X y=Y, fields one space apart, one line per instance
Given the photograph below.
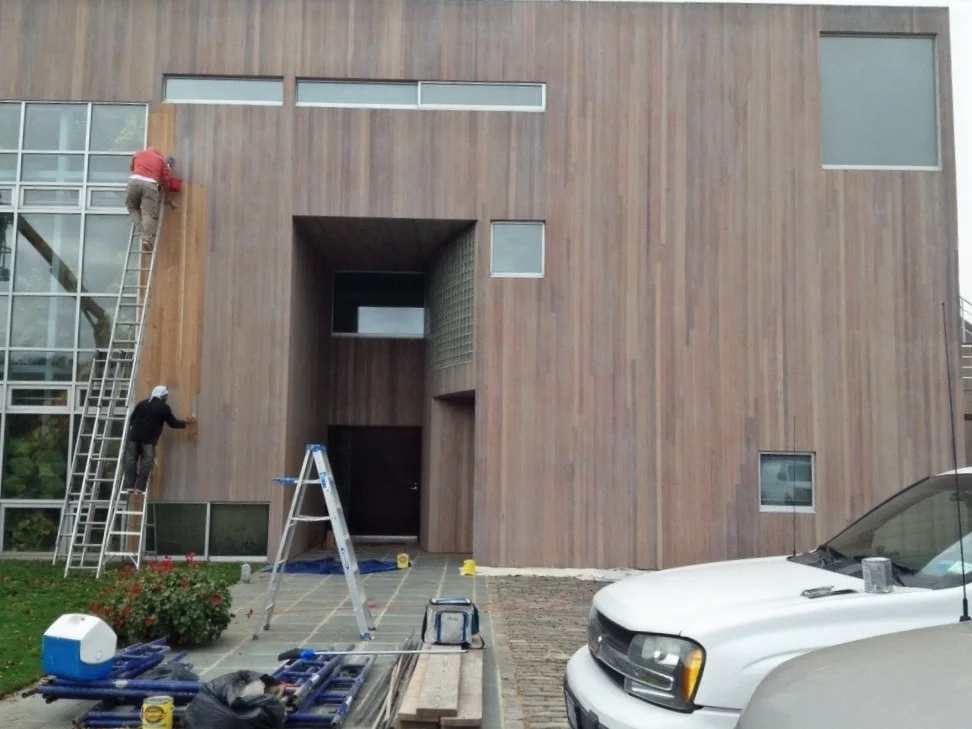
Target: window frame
x=356 y=335
x=74 y=385
x=419 y=105
x=793 y=455
x=938 y=104
x=222 y=101
x=543 y=248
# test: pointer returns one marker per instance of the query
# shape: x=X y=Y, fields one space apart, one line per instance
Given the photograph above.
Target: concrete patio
x=313 y=611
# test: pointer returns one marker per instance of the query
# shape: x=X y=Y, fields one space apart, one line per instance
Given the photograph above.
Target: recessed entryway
x=378 y=471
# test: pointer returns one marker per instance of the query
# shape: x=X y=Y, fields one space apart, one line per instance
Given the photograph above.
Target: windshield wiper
x=832 y=556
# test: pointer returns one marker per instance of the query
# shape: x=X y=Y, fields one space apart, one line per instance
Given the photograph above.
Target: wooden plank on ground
x=470 y=692
x=440 y=688
x=407 y=712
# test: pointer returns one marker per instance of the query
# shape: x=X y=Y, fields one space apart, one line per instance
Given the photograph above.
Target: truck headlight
x=663 y=670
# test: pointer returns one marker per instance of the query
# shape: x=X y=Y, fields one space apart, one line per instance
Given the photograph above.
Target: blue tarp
x=332 y=566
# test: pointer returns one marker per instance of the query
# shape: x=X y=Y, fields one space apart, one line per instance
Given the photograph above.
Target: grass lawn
x=35 y=594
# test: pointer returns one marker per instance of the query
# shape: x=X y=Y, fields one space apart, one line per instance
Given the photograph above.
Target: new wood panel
x=173 y=338
x=710 y=291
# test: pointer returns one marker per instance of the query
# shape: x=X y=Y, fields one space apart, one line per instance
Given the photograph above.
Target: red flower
x=217 y=599
x=149 y=620
x=126 y=611
x=127 y=570
x=136 y=589
x=190 y=557
x=184 y=583
x=95 y=608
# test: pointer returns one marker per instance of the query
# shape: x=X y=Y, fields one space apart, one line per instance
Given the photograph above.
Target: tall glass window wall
x=63 y=237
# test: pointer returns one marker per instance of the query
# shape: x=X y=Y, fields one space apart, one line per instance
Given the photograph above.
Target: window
x=879 y=102
x=35 y=456
x=919 y=530
x=483 y=95
x=59 y=266
x=390 y=305
x=210 y=530
x=29 y=529
x=239 y=530
x=180 y=528
x=239 y=90
x=517 y=249
x=471 y=95
x=351 y=94
x=786 y=482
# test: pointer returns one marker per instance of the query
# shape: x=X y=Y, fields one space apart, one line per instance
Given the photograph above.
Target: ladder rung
x=310 y=518
x=124 y=534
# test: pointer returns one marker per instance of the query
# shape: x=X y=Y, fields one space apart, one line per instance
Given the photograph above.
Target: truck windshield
x=918 y=530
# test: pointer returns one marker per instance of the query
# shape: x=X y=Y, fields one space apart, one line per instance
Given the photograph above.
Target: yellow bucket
x=403 y=561
x=468 y=567
x=157 y=712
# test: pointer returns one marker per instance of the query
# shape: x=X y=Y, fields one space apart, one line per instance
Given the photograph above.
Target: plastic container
x=79 y=648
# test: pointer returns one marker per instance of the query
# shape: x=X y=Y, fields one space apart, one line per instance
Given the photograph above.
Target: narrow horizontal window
x=41 y=397
x=517 y=249
x=519 y=97
x=106 y=198
x=208 y=90
x=472 y=95
x=6 y=196
x=354 y=93
x=51 y=197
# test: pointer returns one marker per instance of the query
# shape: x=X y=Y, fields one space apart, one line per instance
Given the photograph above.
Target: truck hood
x=749 y=616
x=673 y=601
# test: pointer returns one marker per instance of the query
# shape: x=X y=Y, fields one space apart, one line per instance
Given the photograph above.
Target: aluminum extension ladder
x=98 y=523
x=316 y=456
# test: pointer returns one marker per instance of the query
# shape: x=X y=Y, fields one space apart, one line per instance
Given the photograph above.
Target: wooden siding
x=173 y=342
x=376 y=381
x=710 y=291
x=448 y=471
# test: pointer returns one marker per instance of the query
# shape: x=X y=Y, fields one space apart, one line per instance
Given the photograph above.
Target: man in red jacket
x=150 y=172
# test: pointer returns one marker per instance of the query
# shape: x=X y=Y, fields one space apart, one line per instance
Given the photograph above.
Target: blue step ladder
x=316 y=457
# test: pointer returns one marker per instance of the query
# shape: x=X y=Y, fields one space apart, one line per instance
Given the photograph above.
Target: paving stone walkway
x=532 y=625
x=538 y=623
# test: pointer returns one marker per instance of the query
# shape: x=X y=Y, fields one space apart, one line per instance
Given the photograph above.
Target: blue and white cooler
x=79 y=648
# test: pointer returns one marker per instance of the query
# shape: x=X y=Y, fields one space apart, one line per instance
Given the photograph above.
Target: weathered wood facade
x=710 y=291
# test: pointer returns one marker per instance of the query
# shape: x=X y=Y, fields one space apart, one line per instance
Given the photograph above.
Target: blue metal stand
x=323 y=688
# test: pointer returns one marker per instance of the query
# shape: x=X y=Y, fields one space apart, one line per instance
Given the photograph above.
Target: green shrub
x=185 y=604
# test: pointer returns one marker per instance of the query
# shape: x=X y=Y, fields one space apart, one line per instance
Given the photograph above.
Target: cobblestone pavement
x=538 y=623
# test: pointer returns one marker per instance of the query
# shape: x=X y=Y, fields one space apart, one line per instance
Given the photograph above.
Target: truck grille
x=602 y=632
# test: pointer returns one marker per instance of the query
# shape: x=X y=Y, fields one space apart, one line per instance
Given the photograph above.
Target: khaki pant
x=142 y=199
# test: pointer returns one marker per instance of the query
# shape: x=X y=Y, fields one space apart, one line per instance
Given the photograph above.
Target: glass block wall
x=450 y=303
x=63 y=236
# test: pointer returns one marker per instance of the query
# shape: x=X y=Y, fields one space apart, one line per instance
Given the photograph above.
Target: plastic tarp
x=229 y=702
x=332 y=566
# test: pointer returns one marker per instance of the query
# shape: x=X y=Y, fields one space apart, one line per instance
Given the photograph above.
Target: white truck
x=684 y=648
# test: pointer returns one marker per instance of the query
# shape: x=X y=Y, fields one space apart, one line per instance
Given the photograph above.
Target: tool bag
x=451 y=621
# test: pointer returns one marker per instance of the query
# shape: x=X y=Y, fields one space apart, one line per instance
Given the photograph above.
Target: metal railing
x=965 y=309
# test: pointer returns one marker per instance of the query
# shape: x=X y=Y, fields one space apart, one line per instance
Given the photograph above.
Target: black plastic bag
x=220 y=705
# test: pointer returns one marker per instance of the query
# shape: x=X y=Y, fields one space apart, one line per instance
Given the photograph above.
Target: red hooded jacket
x=150 y=163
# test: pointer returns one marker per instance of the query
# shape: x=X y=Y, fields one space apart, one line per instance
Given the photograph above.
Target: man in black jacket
x=144 y=431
